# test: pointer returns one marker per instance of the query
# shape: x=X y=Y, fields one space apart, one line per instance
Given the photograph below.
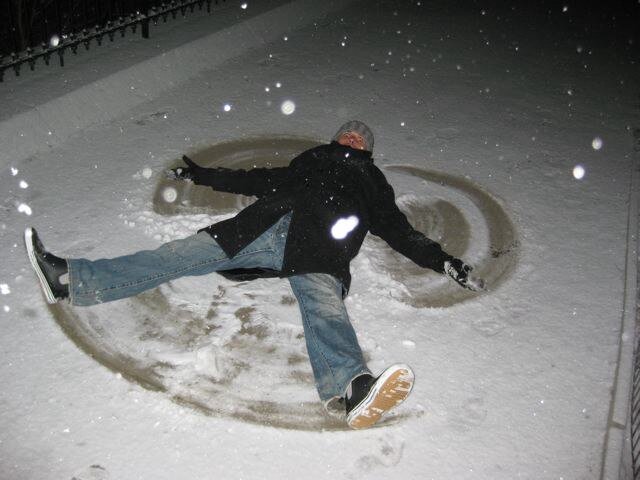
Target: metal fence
x=32 y=30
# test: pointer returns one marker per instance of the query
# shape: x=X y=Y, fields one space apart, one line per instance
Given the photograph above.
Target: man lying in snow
x=307 y=225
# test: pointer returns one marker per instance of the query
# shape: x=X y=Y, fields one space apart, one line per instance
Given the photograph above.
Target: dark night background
x=612 y=24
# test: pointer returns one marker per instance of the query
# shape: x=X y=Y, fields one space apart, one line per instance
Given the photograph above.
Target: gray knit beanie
x=356 y=126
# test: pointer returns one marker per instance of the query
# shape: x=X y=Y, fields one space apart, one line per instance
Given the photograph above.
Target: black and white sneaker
x=47 y=266
x=370 y=398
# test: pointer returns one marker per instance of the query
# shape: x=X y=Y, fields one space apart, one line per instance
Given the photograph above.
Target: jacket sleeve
x=390 y=224
x=256 y=181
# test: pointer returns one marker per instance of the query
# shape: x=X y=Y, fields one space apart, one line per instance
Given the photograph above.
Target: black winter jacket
x=320 y=186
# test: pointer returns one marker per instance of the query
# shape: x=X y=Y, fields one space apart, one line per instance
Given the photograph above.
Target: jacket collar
x=350 y=152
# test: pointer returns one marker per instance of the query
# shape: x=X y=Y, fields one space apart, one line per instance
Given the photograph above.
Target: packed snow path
x=480 y=121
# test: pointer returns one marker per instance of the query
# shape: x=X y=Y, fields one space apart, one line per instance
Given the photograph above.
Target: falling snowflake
x=288 y=107
x=596 y=143
x=169 y=194
x=24 y=208
x=578 y=172
x=344 y=226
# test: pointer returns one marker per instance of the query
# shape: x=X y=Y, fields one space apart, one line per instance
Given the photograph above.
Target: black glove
x=459 y=271
x=184 y=173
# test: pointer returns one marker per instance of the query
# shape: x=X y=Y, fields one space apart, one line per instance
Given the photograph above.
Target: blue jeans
x=336 y=357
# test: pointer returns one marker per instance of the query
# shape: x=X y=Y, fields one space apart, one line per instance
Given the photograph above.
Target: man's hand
x=459 y=271
x=183 y=173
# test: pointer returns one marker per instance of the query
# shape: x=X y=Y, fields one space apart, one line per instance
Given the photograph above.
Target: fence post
x=12 y=28
x=145 y=27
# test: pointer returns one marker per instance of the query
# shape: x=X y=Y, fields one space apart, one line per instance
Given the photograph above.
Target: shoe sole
x=391 y=389
x=28 y=243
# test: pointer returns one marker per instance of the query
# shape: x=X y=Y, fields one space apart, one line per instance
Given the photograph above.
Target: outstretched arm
x=257 y=181
x=390 y=224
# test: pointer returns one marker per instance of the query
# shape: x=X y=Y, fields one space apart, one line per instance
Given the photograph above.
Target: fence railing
x=31 y=30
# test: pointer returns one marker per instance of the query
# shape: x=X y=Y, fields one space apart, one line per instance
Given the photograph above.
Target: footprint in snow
x=388 y=453
x=448 y=133
x=93 y=472
x=488 y=327
x=469 y=415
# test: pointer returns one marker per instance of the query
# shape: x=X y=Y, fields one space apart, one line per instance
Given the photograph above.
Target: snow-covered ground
x=480 y=116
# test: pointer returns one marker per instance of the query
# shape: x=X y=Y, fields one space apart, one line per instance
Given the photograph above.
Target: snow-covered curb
x=40 y=128
x=615 y=456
